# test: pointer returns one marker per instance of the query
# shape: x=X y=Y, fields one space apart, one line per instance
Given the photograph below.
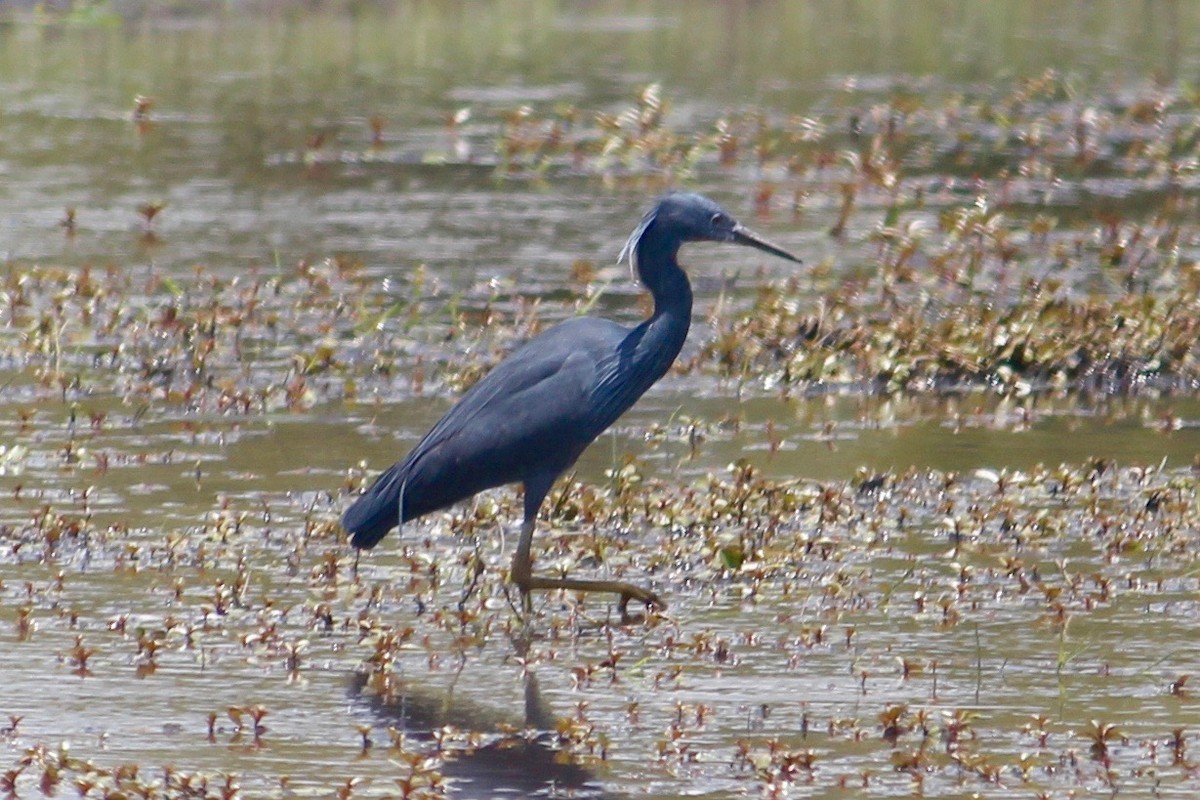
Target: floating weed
x=68 y=222
x=964 y=288
x=141 y=116
x=79 y=657
x=200 y=347
x=1101 y=734
x=149 y=213
x=912 y=631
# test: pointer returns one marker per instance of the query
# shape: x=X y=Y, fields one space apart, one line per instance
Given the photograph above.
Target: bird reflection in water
x=513 y=758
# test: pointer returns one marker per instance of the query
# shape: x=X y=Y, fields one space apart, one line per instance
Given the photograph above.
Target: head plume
x=629 y=251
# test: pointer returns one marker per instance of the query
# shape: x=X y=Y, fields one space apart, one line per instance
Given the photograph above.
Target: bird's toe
x=647 y=598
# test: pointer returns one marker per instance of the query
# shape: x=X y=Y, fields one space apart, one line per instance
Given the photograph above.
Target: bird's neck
x=663 y=334
x=660 y=273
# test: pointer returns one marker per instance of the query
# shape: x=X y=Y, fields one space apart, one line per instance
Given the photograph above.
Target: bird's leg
x=522 y=575
x=522 y=565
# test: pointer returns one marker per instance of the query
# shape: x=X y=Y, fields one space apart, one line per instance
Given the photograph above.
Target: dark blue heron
x=531 y=417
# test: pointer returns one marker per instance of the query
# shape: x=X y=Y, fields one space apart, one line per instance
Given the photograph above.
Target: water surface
x=138 y=512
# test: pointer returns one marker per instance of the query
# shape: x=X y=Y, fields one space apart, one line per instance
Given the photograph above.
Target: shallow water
x=194 y=506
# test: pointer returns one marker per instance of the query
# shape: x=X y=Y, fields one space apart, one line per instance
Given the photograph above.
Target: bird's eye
x=718 y=220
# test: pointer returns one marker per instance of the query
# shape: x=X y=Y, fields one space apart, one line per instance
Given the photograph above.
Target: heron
x=529 y=418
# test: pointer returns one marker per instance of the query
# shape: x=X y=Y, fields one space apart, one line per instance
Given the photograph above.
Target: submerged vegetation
x=911 y=632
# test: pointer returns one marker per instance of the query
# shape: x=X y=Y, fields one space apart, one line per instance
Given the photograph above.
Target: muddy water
x=167 y=561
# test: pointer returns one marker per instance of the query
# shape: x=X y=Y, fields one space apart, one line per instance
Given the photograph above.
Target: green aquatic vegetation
x=946 y=340
x=241 y=346
x=989 y=567
x=994 y=280
x=899 y=632
x=1039 y=141
x=634 y=141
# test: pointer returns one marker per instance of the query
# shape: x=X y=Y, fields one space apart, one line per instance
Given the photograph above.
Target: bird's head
x=681 y=217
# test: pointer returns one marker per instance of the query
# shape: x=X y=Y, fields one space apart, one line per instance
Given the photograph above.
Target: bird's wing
x=609 y=395
x=526 y=420
x=626 y=371
x=537 y=400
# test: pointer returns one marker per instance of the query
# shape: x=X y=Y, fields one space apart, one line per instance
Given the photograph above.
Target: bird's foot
x=625 y=591
x=522 y=576
x=647 y=598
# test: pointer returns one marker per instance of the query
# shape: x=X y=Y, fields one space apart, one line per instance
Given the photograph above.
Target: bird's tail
x=378 y=510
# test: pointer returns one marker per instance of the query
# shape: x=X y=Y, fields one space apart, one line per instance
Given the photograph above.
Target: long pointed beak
x=743 y=235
